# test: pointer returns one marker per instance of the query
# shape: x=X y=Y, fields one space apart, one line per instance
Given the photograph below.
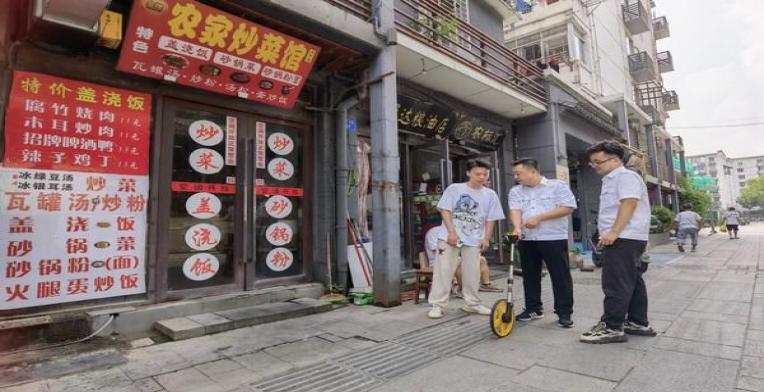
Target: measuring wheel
x=502 y=318
x=503 y=311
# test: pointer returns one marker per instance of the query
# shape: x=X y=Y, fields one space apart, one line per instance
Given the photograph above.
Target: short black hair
x=529 y=163
x=687 y=207
x=473 y=163
x=610 y=147
x=732 y=208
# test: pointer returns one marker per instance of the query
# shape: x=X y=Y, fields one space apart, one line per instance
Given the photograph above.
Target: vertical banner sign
x=73 y=192
x=260 y=145
x=199 y=46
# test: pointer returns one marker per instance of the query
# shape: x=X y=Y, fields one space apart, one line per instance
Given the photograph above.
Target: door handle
x=250 y=199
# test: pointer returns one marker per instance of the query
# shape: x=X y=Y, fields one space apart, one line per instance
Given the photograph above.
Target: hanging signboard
x=196 y=45
x=73 y=192
x=439 y=122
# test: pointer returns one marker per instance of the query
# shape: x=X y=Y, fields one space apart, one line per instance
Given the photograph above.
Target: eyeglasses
x=598 y=163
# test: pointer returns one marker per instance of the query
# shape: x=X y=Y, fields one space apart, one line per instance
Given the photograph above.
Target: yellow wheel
x=502 y=318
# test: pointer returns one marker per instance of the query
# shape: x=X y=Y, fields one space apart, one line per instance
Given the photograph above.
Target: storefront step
x=136 y=320
x=181 y=328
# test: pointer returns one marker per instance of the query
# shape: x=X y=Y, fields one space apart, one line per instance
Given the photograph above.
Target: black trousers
x=622 y=283
x=555 y=254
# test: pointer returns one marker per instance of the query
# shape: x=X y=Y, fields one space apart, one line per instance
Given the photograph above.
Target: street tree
x=753 y=194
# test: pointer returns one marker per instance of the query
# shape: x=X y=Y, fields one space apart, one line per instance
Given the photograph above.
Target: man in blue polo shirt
x=539 y=210
x=624 y=225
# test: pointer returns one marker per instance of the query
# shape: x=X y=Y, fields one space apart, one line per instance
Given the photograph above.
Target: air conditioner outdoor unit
x=66 y=23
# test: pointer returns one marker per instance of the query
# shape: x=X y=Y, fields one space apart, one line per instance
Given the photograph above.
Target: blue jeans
x=682 y=234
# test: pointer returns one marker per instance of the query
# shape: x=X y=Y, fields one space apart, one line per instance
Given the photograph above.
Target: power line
x=740 y=125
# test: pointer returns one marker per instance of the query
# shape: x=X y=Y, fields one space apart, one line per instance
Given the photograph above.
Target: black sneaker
x=694 y=248
x=529 y=315
x=633 y=328
x=680 y=247
x=565 y=322
x=601 y=334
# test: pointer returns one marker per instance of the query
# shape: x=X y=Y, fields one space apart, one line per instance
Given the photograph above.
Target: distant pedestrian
x=687 y=224
x=469 y=211
x=624 y=225
x=539 y=210
x=732 y=220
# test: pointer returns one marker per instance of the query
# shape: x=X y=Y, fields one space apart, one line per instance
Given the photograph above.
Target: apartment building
x=732 y=174
x=606 y=51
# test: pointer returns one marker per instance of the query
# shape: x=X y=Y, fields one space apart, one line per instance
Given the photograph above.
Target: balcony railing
x=359 y=8
x=670 y=100
x=437 y=27
x=665 y=62
x=661 y=28
x=635 y=16
x=641 y=67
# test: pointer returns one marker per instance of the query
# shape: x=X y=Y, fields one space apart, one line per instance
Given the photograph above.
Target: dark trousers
x=622 y=283
x=555 y=254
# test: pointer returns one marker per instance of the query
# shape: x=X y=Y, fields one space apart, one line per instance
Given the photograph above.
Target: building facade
x=607 y=50
x=164 y=150
x=732 y=174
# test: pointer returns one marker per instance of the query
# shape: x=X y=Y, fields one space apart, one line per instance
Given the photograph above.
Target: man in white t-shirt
x=732 y=220
x=469 y=211
x=687 y=224
x=431 y=250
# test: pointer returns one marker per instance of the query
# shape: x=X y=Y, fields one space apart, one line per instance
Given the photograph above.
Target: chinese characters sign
x=439 y=122
x=70 y=236
x=196 y=45
x=62 y=124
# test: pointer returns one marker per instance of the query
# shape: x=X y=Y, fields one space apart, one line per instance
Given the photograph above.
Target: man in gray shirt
x=624 y=224
x=687 y=224
x=539 y=210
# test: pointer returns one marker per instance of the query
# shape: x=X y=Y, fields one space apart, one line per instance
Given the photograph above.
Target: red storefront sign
x=181 y=186
x=272 y=191
x=199 y=46
x=64 y=124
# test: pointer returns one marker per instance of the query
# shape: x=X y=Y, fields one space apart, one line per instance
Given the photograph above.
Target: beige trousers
x=445 y=269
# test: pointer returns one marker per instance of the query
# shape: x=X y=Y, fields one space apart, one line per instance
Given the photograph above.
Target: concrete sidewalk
x=708 y=307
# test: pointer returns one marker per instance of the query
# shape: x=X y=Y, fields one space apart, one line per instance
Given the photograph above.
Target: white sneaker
x=478 y=309
x=435 y=313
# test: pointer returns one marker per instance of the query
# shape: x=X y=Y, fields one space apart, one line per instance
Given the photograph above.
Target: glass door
x=429 y=174
x=236 y=216
x=205 y=201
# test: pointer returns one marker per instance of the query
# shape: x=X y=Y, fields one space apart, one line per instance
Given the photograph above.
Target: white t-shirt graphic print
x=470 y=209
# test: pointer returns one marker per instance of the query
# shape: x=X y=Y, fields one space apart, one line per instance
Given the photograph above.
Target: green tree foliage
x=701 y=201
x=753 y=194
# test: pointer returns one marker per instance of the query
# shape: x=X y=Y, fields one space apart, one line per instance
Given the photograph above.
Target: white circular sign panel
x=201 y=266
x=203 y=205
x=206 y=161
x=202 y=236
x=280 y=169
x=205 y=132
x=280 y=143
x=279 y=259
x=278 y=207
x=279 y=234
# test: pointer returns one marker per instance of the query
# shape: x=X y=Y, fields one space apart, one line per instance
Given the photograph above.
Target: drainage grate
x=364 y=370
x=324 y=377
x=449 y=338
x=388 y=360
